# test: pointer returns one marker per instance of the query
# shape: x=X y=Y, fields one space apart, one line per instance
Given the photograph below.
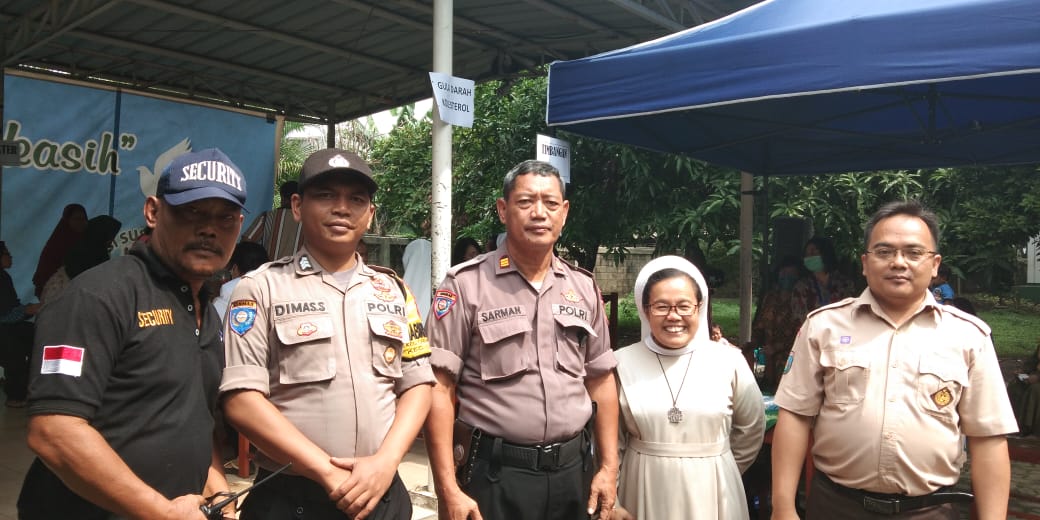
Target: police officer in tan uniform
x=893 y=380
x=327 y=361
x=520 y=340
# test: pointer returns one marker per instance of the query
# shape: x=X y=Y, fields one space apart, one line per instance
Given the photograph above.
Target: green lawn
x=1016 y=327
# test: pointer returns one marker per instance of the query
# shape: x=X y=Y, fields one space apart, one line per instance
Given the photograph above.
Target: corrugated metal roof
x=319 y=60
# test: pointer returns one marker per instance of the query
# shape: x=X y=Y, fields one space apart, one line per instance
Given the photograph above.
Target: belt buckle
x=880 y=505
x=549 y=457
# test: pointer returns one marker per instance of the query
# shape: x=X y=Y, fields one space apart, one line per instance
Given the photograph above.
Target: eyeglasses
x=913 y=254
x=682 y=309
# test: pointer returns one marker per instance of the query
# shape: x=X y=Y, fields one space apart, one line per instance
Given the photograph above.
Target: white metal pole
x=440 y=218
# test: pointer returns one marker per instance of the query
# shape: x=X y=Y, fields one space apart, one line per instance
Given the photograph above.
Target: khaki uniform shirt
x=891 y=403
x=520 y=356
x=332 y=361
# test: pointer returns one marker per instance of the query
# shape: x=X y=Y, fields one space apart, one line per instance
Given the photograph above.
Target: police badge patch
x=790 y=361
x=943 y=397
x=241 y=316
x=443 y=301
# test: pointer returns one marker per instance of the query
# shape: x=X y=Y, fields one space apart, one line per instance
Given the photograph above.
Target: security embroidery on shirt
x=154 y=318
x=241 y=316
x=571 y=296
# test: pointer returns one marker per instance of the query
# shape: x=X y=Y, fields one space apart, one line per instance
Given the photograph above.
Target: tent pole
x=440 y=217
x=747 y=206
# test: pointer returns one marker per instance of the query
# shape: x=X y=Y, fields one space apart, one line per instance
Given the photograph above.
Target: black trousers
x=15 y=348
x=827 y=503
x=514 y=493
x=287 y=497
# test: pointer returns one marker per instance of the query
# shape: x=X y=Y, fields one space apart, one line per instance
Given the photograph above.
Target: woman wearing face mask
x=775 y=324
x=692 y=414
x=825 y=285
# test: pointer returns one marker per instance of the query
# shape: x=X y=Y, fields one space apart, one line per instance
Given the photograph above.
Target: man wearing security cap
x=127 y=362
x=327 y=361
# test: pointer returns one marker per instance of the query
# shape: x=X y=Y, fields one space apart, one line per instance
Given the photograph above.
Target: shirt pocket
x=940 y=382
x=388 y=335
x=503 y=354
x=307 y=354
x=845 y=375
x=570 y=344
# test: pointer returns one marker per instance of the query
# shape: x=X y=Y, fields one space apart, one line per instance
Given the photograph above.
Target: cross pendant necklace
x=675 y=415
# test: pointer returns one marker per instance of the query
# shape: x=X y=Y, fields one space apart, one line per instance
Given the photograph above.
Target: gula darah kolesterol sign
x=69 y=152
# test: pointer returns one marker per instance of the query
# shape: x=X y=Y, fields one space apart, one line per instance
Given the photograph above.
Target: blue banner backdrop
x=69 y=155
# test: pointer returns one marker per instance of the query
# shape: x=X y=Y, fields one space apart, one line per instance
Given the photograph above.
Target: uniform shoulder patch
x=443 y=301
x=241 y=316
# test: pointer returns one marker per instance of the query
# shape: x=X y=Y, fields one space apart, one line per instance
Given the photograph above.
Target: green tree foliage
x=623 y=196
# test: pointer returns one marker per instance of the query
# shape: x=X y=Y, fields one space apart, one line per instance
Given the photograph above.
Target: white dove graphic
x=150 y=178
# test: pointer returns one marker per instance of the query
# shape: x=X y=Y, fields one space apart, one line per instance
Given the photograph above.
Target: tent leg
x=747 y=211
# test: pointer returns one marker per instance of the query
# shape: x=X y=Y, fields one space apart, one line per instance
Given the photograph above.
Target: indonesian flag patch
x=62 y=359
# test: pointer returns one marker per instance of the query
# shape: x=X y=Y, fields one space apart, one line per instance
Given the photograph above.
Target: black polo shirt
x=120 y=348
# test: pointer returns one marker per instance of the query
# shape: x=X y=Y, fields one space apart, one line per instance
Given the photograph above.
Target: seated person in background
x=91 y=250
x=1024 y=392
x=246 y=257
x=17 y=334
x=940 y=286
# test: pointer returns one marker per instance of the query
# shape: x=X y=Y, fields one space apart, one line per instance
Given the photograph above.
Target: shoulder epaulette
x=968 y=317
x=843 y=303
x=472 y=262
x=391 y=273
x=267 y=265
x=586 y=272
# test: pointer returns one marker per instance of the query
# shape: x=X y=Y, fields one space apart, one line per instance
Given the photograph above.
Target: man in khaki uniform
x=327 y=361
x=893 y=380
x=520 y=339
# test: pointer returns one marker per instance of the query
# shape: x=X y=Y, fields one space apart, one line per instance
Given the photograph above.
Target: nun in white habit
x=692 y=413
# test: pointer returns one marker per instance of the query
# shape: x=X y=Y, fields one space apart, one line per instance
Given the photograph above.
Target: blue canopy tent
x=791 y=87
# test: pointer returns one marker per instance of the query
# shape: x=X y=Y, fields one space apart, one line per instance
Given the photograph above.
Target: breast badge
x=393 y=329
x=241 y=316
x=942 y=397
x=571 y=296
x=306 y=329
x=389 y=355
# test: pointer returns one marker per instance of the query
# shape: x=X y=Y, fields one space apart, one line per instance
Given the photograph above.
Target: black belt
x=545 y=457
x=894 y=504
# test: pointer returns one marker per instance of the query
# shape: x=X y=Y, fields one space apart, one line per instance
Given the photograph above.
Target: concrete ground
x=15 y=458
